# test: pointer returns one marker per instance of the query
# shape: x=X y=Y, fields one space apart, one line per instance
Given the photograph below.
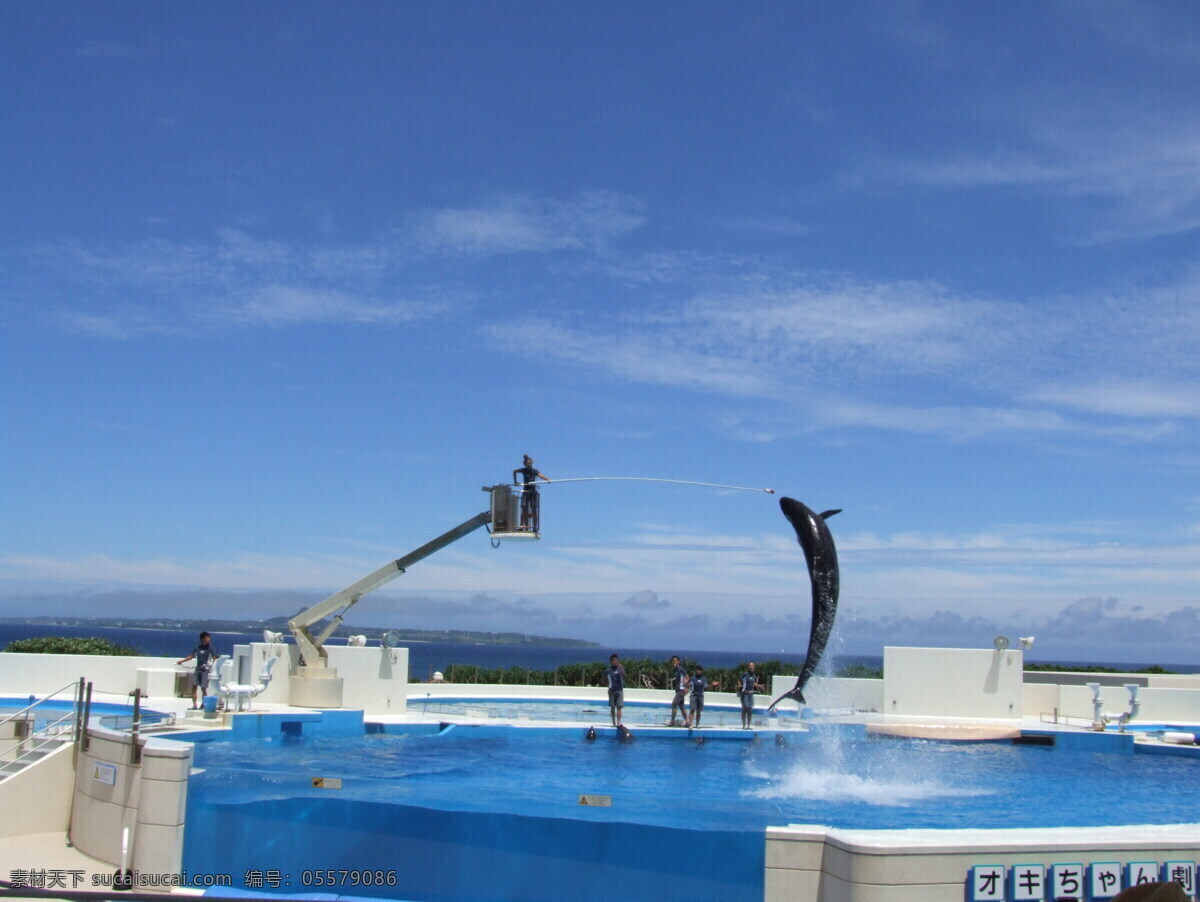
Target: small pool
x=494 y=812
x=596 y=712
x=1154 y=728
x=11 y=704
x=111 y=715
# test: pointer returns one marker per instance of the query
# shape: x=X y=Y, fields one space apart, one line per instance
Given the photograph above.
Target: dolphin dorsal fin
x=825 y=515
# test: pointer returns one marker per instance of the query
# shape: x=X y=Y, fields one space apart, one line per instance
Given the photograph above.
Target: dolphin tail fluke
x=794 y=694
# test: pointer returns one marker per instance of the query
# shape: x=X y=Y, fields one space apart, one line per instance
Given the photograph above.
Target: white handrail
x=34 y=745
x=71 y=685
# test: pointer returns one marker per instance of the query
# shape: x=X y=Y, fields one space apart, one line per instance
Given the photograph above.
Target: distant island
x=280 y=624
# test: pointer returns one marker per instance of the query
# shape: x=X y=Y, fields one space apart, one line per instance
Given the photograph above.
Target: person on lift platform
x=529 y=495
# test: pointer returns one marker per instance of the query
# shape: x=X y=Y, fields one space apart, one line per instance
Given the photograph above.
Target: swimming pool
x=112 y=715
x=11 y=704
x=479 y=812
x=593 y=711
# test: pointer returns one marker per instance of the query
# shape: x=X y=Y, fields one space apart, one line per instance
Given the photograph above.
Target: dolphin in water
x=814 y=537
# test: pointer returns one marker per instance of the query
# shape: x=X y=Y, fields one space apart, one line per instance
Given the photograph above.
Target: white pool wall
x=149 y=798
x=822 y=864
x=825 y=693
x=374 y=679
x=26 y=674
x=918 y=683
x=40 y=805
x=953 y=682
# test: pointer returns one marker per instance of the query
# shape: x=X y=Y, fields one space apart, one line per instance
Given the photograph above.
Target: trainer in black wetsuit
x=529 y=494
x=614 y=675
x=203 y=655
x=679 y=682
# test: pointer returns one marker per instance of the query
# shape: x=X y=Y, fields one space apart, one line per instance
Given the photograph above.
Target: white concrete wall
x=1172 y=681
x=1154 y=705
x=373 y=678
x=917 y=683
x=1158 y=705
x=952 y=682
x=150 y=799
x=1040 y=698
x=37 y=799
x=832 y=692
x=376 y=679
x=418 y=692
x=164 y=682
x=859 y=695
x=819 y=864
x=249 y=661
x=22 y=674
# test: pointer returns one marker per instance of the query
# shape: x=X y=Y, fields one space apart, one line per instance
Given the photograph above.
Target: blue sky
x=283 y=285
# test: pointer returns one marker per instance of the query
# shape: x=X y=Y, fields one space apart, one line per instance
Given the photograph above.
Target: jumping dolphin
x=814 y=537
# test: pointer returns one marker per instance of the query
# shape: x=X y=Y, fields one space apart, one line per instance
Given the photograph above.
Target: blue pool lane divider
x=1097 y=882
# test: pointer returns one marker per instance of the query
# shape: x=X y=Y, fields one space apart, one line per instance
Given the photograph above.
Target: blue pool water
x=494 y=812
x=16 y=703
x=111 y=715
x=593 y=711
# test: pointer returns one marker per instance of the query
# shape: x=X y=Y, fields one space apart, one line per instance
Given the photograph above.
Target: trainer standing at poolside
x=203 y=654
x=615 y=675
x=747 y=686
x=679 y=682
x=699 y=683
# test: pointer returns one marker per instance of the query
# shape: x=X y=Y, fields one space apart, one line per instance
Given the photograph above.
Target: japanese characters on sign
x=1094 y=882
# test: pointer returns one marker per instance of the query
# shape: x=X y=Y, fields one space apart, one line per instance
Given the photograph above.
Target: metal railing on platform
x=40 y=727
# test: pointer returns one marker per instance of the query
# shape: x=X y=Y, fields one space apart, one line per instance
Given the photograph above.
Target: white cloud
x=158 y=286
x=852 y=353
x=279 y=305
x=236 y=281
x=656 y=360
x=1143 y=164
x=1145 y=30
x=1129 y=399
x=646 y=600
x=763 y=343
x=122 y=322
x=238 y=247
x=247 y=571
x=844 y=351
x=863 y=325
x=525 y=224
x=1010 y=567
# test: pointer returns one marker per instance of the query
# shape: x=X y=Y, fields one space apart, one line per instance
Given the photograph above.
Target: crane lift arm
x=312 y=648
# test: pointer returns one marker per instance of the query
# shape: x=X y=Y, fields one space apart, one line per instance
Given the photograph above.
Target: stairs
x=30 y=752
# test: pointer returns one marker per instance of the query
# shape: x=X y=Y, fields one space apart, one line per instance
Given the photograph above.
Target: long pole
x=711 y=485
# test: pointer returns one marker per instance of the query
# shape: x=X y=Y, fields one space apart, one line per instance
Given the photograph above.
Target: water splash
x=832 y=785
x=833 y=767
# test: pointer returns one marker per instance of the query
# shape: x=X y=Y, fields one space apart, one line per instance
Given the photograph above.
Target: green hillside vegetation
x=69 y=645
x=1091 y=668
x=644 y=673
x=640 y=673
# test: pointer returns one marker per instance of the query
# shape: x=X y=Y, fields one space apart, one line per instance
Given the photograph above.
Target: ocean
x=423 y=657
x=426 y=657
